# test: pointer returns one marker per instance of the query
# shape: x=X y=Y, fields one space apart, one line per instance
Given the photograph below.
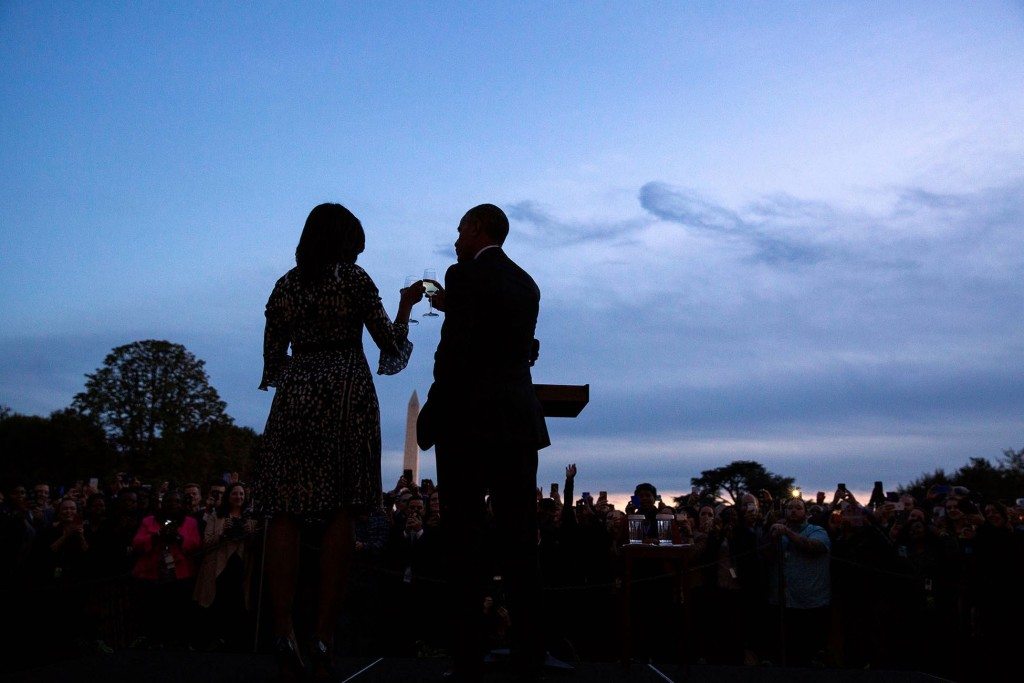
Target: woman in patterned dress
x=320 y=454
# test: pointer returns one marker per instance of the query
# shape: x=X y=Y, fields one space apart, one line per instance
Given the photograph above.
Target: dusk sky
x=787 y=232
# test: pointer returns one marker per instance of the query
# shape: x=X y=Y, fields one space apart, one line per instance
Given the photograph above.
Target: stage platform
x=141 y=666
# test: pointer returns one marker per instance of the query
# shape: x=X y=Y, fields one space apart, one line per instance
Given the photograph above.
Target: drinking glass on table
x=410 y=280
x=636 y=528
x=665 y=529
x=428 y=290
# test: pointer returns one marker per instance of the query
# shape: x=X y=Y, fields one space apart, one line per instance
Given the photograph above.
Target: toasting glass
x=410 y=280
x=428 y=290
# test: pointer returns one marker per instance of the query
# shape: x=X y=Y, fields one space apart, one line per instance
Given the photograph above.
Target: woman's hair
x=225 y=502
x=332 y=234
x=1000 y=508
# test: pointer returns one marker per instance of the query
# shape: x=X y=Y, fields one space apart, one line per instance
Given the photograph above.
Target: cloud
x=688 y=209
x=908 y=327
x=540 y=227
x=912 y=200
x=444 y=251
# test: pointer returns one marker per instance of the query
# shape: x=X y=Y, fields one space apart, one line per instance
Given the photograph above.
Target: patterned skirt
x=320 y=450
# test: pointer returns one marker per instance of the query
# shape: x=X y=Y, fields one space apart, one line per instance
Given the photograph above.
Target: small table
x=679 y=556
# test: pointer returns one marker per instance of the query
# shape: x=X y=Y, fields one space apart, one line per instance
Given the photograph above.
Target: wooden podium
x=562 y=400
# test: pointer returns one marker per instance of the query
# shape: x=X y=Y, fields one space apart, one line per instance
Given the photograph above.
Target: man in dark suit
x=484 y=417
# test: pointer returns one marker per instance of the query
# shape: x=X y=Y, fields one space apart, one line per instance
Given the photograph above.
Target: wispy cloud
x=540 y=226
x=689 y=209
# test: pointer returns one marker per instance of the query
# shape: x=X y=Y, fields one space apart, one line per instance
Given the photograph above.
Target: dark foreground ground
x=141 y=666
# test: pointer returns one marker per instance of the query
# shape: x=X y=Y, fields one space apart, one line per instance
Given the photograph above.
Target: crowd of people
x=932 y=584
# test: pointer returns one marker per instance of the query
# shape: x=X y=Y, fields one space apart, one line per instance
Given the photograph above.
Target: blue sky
x=788 y=232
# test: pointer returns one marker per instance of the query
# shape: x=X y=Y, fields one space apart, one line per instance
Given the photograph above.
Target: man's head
x=41 y=493
x=481 y=227
x=796 y=513
x=750 y=508
x=96 y=505
x=17 y=497
x=215 y=494
x=192 y=496
x=415 y=506
x=67 y=513
x=646 y=495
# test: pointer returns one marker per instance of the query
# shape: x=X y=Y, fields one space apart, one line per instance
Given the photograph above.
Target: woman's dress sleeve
x=391 y=338
x=276 y=336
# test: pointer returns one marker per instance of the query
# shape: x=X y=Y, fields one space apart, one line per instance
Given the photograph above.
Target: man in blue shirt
x=800 y=583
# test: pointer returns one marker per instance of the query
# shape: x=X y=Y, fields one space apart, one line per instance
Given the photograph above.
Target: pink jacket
x=151 y=554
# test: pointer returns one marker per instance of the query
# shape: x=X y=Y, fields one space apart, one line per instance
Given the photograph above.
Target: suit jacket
x=483 y=390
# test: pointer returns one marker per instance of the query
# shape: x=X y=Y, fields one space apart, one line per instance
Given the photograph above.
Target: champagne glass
x=428 y=290
x=410 y=280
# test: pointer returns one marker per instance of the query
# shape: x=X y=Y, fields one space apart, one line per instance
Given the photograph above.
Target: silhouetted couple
x=320 y=455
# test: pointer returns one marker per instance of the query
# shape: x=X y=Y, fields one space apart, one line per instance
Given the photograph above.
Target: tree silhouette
x=1002 y=480
x=146 y=395
x=742 y=476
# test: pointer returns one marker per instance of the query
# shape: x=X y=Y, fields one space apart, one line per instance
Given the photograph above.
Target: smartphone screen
x=407 y=474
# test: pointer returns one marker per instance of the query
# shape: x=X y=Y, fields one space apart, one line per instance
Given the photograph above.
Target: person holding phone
x=800 y=581
x=223 y=581
x=165 y=545
x=645 y=502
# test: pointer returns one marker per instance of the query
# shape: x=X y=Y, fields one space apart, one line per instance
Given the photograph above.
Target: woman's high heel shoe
x=321 y=659
x=289 y=660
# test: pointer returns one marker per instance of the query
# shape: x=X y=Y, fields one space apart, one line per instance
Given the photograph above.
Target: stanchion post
x=781 y=560
x=259 y=594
